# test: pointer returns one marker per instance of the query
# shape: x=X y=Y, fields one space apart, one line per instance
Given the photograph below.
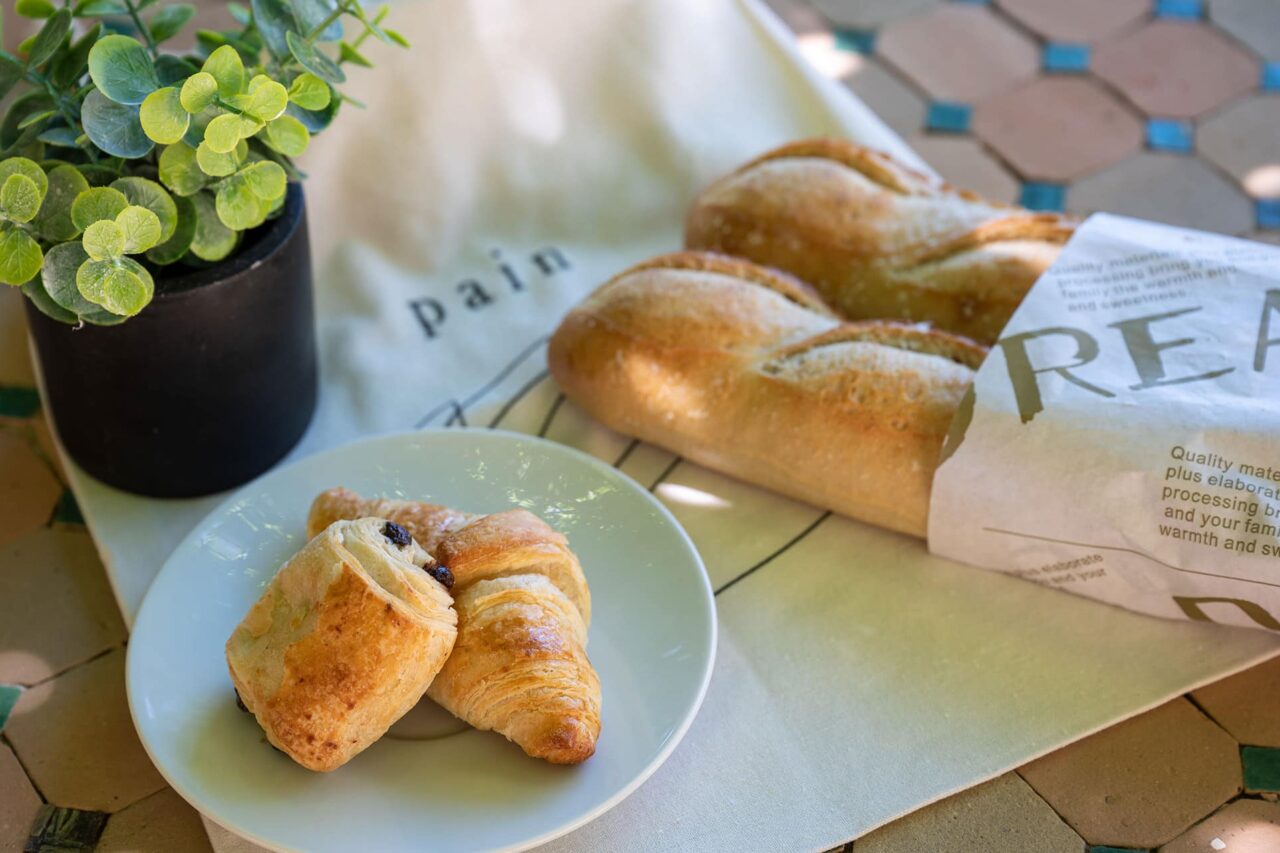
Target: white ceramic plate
x=432 y=783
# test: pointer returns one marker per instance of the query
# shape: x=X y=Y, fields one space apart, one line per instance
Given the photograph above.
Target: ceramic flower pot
x=205 y=389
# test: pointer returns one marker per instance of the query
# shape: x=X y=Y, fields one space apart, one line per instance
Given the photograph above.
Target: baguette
x=878 y=239
x=745 y=370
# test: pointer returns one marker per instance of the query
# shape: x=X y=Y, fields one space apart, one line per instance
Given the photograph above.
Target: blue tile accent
x=948 y=116
x=68 y=511
x=856 y=41
x=1271 y=76
x=9 y=694
x=1166 y=134
x=17 y=402
x=1179 y=9
x=1065 y=58
x=1261 y=768
x=1268 y=213
x=1042 y=196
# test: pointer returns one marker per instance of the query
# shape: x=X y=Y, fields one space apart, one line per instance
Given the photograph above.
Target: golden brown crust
x=342 y=643
x=877 y=239
x=520 y=668
x=706 y=362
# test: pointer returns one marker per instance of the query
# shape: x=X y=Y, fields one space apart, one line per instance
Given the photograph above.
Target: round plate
x=427 y=784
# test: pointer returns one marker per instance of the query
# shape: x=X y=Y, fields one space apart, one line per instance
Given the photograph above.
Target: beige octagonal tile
x=1142 y=782
x=959 y=52
x=1245 y=826
x=1254 y=22
x=869 y=14
x=1169 y=188
x=163 y=821
x=56 y=609
x=28 y=489
x=1177 y=69
x=1244 y=139
x=18 y=802
x=1077 y=20
x=890 y=98
x=1247 y=704
x=1058 y=128
x=74 y=735
x=966 y=164
x=1003 y=814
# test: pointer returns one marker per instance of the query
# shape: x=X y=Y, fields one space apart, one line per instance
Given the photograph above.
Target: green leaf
x=309 y=92
x=11 y=71
x=64 y=137
x=96 y=204
x=223 y=133
x=40 y=298
x=141 y=229
x=215 y=164
x=59 y=277
x=70 y=66
x=99 y=8
x=36 y=118
x=238 y=206
x=122 y=286
x=179 y=170
x=33 y=101
x=347 y=53
x=240 y=14
x=315 y=120
x=20 y=256
x=199 y=91
x=55 y=29
x=146 y=193
x=396 y=37
x=104 y=240
x=313 y=60
x=213 y=240
x=115 y=128
x=27 y=168
x=172 y=249
x=265 y=100
x=54 y=220
x=34 y=8
x=273 y=19
x=122 y=69
x=19 y=198
x=97 y=174
x=162 y=116
x=265 y=179
x=225 y=65
x=172 y=70
x=288 y=136
x=312 y=13
x=165 y=24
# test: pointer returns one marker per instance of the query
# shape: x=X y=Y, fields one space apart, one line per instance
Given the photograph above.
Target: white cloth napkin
x=521 y=153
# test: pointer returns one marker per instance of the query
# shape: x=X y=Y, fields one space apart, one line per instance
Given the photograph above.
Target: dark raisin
x=396 y=534
x=440 y=573
x=240 y=702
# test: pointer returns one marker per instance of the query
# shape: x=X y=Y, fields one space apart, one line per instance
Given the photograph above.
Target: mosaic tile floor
x=1167 y=110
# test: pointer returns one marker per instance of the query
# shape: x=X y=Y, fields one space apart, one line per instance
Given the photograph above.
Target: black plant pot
x=205 y=389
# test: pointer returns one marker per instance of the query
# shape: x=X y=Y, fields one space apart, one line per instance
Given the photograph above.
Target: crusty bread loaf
x=744 y=370
x=878 y=239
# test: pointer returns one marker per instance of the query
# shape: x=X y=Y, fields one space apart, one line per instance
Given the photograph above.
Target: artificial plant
x=117 y=159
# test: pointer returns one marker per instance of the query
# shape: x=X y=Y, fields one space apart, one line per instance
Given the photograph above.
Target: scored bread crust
x=341 y=644
x=878 y=239
x=742 y=369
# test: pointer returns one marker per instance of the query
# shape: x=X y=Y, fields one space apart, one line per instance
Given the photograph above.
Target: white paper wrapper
x=1123 y=437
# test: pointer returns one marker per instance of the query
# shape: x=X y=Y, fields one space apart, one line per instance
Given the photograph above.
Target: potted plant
x=151 y=212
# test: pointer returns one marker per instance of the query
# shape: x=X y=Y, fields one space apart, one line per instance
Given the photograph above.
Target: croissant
x=520 y=666
x=472 y=546
x=744 y=370
x=877 y=239
x=343 y=642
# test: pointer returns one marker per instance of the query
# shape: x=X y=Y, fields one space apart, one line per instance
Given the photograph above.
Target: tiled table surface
x=1167 y=110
